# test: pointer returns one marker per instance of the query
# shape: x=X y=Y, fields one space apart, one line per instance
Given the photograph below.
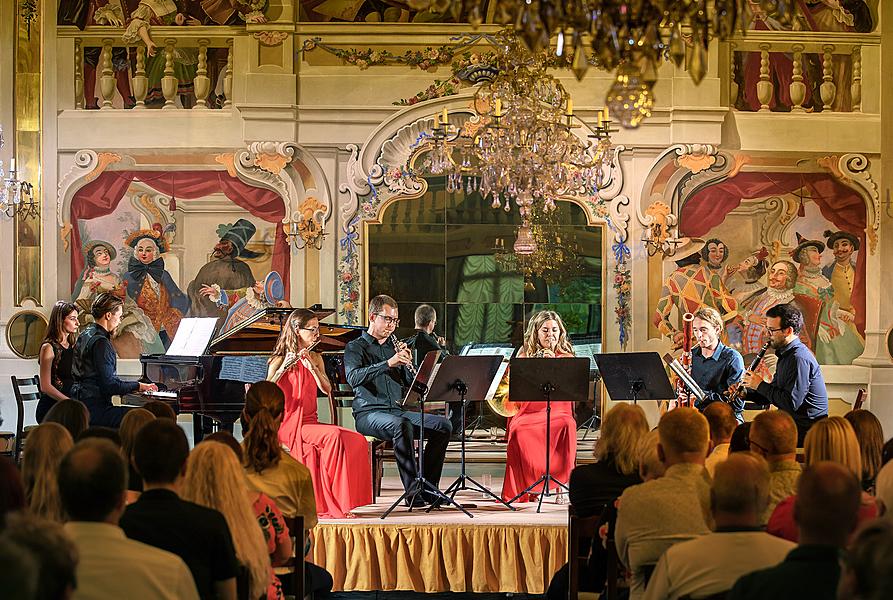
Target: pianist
x=94 y=368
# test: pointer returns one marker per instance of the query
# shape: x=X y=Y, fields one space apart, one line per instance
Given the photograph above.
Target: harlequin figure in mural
x=224 y=269
x=842 y=272
x=836 y=341
x=136 y=334
x=697 y=282
x=152 y=288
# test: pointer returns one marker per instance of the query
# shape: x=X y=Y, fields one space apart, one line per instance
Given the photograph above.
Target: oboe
x=399 y=347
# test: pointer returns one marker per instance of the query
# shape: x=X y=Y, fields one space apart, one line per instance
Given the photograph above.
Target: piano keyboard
x=161 y=394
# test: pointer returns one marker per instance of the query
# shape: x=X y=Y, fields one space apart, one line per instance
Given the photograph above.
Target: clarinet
x=740 y=391
x=397 y=344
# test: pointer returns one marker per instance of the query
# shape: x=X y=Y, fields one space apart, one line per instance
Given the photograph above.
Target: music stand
x=418 y=391
x=538 y=379
x=469 y=377
x=634 y=376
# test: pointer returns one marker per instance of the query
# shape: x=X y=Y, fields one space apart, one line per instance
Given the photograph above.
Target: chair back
x=25 y=390
x=296 y=530
x=860 y=398
x=578 y=528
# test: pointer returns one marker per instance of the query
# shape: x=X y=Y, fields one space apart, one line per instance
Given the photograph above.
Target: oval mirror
x=24 y=333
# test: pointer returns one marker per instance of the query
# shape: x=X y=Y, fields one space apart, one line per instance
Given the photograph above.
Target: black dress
x=60 y=376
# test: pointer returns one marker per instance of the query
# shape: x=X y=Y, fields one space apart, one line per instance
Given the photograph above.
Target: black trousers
x=402 y=428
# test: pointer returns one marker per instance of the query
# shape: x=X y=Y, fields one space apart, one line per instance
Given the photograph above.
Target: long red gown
x=338 y=458
x=526 y=451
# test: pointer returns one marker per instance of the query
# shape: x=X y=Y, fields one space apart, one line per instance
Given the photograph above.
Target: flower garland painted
x=622 y=288
x=349 y=273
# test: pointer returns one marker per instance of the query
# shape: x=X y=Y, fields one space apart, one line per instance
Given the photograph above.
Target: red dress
x=526 y=451
x=338 y=458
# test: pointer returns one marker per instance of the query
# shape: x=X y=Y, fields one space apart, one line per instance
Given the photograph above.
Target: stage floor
x=498 y=550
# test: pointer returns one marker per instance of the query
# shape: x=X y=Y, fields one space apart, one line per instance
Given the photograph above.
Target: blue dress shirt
x=716 y=374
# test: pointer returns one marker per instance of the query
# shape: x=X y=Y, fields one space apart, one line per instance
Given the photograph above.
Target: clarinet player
x=378 y=372
x=714 y=366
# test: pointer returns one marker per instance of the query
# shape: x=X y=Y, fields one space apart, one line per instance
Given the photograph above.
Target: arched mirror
x=24 y=333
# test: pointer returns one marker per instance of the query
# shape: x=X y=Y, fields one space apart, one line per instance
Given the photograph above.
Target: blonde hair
x=711 y=315
x=132 y=422
x=622 y=430
x=835 y=440
x=215 y=479
x=47 y=444
x=650 y=465
x=531 y=339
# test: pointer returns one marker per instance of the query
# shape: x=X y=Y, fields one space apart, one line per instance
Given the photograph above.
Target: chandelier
x=522 y=148
x=16 y=196
x=627 y=35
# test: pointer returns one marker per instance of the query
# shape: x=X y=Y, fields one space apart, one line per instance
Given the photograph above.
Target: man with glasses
x=378 y=374
x=798 y=387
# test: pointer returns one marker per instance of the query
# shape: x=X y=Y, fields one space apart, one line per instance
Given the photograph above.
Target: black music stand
x=469 y=377
x=538 y=379
x=634 y=376
x=418 y=391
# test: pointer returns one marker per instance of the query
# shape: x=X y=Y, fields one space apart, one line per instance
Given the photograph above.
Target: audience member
x=711 y=564
x=101 y=432
x=887 y=452
x=52 y=549
x=18 y=571
x=214 y=478
x=132 y=422
x=70 y=414
x=92 y=483
x=161 y=409
x=831 y=439
x=867 y=568
x=12 y=490
x=47 y=444
x=870 y=436
x=650 y=465
x=198 y=535
x=654 y=515
x=721 y=419
x=884 y=491
x=773 y=435
x=828 y=497
x=55 y=356
x=739 y=442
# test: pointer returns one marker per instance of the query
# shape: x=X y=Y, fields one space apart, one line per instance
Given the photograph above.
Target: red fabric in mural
x=840 y=204
x=101 y=196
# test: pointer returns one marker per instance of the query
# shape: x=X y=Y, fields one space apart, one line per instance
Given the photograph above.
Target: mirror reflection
x=24 y=333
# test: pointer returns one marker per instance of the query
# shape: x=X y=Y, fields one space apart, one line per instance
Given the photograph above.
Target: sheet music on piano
x=193 y=336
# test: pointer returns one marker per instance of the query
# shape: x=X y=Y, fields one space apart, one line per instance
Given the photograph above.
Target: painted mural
x=762 y=237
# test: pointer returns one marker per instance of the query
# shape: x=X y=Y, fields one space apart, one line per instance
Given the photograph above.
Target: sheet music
x=500 y=373
x=193 y=336
x=247 y=369
x=505 y=352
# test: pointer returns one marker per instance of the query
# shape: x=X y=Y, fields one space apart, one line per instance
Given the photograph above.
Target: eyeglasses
x=758 y=446
x=310 y=329
x=387 y=319
x=771 y=330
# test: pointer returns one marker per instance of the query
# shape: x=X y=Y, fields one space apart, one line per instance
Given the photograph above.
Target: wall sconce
x=16 y=196
x=658 y=239
x=305 y=233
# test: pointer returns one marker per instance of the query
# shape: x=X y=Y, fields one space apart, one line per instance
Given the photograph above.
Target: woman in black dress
x=56 y=353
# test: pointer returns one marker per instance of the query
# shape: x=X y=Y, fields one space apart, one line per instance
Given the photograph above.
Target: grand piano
x=212 y=384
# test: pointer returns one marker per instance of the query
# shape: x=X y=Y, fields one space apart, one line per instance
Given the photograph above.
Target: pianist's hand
x=148 y=387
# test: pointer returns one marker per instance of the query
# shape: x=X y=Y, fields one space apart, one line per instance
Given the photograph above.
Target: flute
x=288 y=364
x=399 y=347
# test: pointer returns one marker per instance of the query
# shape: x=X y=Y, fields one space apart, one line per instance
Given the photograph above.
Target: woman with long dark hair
x=338 y=458
x=56 y=355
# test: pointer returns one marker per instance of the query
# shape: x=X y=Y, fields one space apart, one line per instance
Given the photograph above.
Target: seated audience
x=884 y=491
x=870 y=436
x=887 y=452
x=198 y=535
x=831 y=439
x=47 y=444
x=55 y=356
x=70 y=414
x=827 y=502
x=711 y=564
x=19 y=571
x=161 y=409
x=12 y=490
x=593 y=487
x=101 y=432
x=773 y=435
x=214 y=478
x=721 y=419
x=132 y=422
x=867 y=567
x=95 y=364
x=52 y=549
x=93 y=483
x=739 y=441
x=650 y=465
x=654 y=515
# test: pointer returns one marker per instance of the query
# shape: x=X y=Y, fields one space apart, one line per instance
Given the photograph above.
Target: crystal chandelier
x=525 y=150
x=612 y=33
x=16 y=196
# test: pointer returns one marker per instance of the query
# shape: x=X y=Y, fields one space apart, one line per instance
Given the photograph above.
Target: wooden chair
x=578 y=528
x=26 y=390
x=860 y=398
x=295 y=566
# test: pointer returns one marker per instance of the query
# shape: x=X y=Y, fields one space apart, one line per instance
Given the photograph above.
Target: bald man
x=722 y=421
x=773 y=435
x=711 y=564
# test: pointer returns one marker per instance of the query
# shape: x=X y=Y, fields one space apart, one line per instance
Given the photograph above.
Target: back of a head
x=103 y=303
x=12 y=490
x=264 y=404
x=833 y=439
x=870 y=559
x=721 y=421
x=827 y=503
x=92 y=480
x=883 y=489
x=870 y=435
x=227 y=439
x=650 y=465
x=100 y=432
x=775 y=431
x=161 y=410
x=740 y=440
x=684 y=435
x=53 y=550
x=19 y=571
x=741 y=485
x=622 y=430
x=160 y=451
x=70 y=414
x=424 y=315
x=47 y=444
x=131 y=424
